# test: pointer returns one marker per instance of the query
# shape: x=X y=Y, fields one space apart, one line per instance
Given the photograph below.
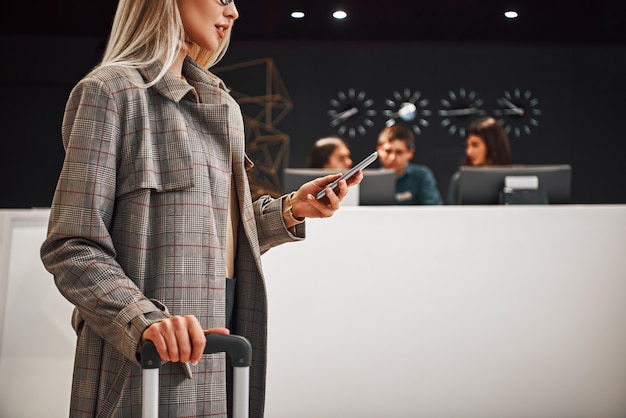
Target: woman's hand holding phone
x=348 y=174
x=320 y=198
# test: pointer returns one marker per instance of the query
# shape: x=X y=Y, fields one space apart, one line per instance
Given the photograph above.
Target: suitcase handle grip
x=238 y=347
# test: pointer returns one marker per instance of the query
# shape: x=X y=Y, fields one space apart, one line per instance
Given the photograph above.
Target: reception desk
x=455 y=312
x=451 y=312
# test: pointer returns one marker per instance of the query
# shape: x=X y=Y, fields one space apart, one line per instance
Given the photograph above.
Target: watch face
x=458 y=109
x=409 y=108
x=351 y=112
x=517 y=112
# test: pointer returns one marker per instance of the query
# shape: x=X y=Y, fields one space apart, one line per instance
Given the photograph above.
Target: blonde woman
x=153 y=233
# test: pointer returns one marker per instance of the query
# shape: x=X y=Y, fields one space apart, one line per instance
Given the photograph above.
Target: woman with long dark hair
x=486 y=144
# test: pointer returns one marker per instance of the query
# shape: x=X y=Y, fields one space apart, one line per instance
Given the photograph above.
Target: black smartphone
x=360 y=166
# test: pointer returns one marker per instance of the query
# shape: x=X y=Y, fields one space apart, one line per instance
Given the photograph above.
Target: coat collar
x=175 y=89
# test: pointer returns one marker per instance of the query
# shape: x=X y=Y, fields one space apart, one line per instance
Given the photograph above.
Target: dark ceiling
x=540 y=21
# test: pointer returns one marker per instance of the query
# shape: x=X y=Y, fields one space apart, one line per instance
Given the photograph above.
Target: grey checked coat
x=137 y=233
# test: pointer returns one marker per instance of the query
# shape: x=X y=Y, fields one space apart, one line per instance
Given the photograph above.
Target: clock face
x=351 y=112
x=407 y=107
x=458 y=109
x=517 y=112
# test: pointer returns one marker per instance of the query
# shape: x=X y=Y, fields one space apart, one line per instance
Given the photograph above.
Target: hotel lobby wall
x=579 y=90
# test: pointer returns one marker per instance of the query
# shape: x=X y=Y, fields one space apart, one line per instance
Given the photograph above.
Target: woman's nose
x=231 y=11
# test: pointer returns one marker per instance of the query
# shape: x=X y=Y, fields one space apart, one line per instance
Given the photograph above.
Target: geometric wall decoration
x=264 y=102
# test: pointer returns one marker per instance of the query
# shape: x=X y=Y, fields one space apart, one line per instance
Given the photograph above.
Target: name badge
x=404 y=196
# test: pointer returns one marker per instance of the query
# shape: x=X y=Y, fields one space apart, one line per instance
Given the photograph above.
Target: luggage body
x=240 y=352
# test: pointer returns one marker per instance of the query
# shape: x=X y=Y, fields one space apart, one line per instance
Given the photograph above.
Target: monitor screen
x=484 y=185
x=377 y=187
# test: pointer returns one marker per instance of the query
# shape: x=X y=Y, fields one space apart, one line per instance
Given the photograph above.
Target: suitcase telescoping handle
x=236 y=346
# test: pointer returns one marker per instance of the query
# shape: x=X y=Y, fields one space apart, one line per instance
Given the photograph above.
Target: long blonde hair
x=147 y=31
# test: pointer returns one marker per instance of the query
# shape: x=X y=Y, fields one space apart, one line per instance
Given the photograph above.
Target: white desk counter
x=430 y=312
x=451 y=312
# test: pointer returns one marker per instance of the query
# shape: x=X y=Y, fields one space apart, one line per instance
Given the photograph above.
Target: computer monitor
x=485 y=185
x=377 y=187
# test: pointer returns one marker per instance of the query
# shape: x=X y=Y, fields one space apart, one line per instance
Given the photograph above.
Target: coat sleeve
x=78 y=249
x=271 y=225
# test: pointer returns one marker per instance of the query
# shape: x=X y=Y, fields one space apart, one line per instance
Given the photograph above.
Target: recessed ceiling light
x=511 y=14
x=297 y=14
x=340 y=14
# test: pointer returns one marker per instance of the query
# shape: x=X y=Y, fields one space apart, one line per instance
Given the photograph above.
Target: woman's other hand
x=180 y=338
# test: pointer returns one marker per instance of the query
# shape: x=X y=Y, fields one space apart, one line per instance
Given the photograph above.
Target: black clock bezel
x=395 y=102
x=358 y=122
x=461 y=100
x=518 y=125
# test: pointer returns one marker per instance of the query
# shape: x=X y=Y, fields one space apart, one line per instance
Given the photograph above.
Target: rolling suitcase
x=237 y=347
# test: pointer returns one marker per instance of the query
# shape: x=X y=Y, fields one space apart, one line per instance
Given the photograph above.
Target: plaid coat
x=137 y=233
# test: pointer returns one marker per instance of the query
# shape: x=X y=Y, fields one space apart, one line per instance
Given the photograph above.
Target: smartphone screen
x=360 y=166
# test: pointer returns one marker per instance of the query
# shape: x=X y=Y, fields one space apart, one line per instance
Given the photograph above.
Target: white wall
x=455 y=312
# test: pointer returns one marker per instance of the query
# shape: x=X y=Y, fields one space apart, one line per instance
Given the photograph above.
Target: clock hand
x=406 y=112
x=512 y=112
x=516 y=109
x=341 y=116
x=459 y=112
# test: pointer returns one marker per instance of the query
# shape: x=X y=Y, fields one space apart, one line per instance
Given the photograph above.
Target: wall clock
x=518 y=112
x=351 y=112
x=407 y=107
x=458 y=109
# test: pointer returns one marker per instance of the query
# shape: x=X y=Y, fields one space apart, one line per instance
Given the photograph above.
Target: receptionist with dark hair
x=330 y=152
x=486 y=144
